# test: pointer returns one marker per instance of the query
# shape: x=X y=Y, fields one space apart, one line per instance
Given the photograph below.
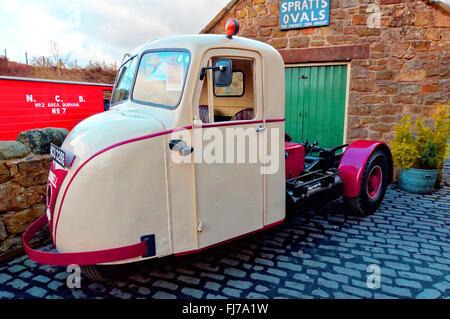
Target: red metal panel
x=353 y=162
x=295 y=162
x=26 y=105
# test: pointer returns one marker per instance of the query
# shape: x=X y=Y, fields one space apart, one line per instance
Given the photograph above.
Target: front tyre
x=95 y=272
x=374 y=183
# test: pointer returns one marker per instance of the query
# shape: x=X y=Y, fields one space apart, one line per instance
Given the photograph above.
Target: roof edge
x=218 y=17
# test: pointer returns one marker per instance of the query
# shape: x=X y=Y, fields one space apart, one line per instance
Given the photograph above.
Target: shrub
x=442 y=131
x=429 y=148
x=428 y=157
x=403 y=150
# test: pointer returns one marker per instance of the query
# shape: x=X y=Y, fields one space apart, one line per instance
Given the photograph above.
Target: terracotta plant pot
x=419 y=181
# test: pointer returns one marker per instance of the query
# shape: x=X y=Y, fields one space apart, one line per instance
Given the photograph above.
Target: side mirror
x=223 y=72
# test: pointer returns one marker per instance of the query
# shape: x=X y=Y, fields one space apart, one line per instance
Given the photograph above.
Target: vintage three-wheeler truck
x=116 y=195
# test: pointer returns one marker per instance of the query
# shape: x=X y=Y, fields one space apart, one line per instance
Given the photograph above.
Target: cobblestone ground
x=318 y=254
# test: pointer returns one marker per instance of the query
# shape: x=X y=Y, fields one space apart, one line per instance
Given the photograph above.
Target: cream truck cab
x=128 y=185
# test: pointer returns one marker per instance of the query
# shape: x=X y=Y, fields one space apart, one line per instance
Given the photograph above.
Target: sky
x=101 y=30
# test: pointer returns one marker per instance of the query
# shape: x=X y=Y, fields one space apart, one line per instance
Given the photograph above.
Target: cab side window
x=235 y=89
x=235 y=102
x=125 y=81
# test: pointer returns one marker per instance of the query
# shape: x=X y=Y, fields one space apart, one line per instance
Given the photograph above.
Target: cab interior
x=235 y=102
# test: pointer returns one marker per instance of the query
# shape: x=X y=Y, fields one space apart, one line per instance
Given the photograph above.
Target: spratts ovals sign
x=295 y=14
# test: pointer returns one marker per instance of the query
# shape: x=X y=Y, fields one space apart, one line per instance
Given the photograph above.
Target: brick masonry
x=404 y=71
x=22 y=199
x=24 y=166
x=321 y=253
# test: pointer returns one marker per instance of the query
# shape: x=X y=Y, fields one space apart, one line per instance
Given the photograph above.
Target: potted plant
x=419 y=157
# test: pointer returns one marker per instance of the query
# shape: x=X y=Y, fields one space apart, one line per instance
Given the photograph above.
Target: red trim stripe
x=274 y=120
x=241 y=122
x=232 y=123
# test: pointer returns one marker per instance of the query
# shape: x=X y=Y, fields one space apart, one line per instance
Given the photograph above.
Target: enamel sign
x=295 y=14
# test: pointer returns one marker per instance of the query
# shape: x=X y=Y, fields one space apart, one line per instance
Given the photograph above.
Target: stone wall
x=24 y=170
x=399 y=52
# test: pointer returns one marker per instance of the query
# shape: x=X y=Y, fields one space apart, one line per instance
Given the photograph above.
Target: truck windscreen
x=160 y=78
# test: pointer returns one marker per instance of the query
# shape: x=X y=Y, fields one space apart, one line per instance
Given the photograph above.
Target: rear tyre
x=374 y=183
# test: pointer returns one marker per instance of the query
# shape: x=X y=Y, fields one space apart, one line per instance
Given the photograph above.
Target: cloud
x=97 y=30
x=138 y=21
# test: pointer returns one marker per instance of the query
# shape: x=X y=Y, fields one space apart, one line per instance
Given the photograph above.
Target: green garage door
x=315 y=103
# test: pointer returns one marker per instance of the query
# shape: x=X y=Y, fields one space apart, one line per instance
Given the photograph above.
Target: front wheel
x=95 y=272
x=374 y=183
x=108 y=272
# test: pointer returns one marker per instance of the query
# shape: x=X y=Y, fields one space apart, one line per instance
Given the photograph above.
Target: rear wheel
x=374 y=183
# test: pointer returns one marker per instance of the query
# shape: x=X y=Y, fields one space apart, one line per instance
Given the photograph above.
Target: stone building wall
x=24 y=168
x=399 y=53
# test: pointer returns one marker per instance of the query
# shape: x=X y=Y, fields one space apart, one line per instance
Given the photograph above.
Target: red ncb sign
x=27 y=104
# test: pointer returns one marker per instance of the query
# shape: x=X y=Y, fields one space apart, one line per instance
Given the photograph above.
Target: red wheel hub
x=374 y=181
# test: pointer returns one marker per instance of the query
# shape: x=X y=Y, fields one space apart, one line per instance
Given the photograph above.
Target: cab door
x=229 y=185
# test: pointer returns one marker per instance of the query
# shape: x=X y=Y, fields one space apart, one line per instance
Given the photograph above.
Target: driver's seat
x=244 y=115
x=204 y=113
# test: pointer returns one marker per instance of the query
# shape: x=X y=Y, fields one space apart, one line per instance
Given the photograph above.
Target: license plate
x=58 y=155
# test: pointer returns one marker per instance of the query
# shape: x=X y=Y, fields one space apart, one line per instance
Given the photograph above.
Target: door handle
x=180 y=146
x=260 y=129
